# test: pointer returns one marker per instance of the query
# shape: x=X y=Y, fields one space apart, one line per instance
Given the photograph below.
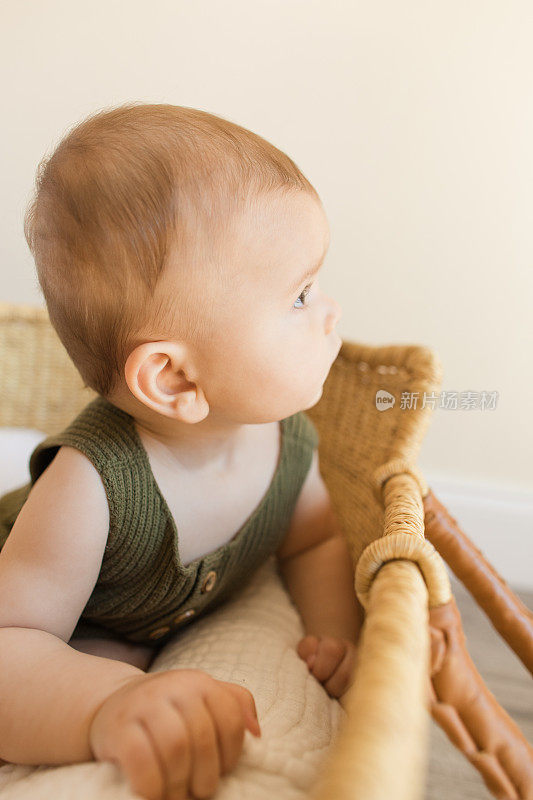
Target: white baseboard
x=498 y=520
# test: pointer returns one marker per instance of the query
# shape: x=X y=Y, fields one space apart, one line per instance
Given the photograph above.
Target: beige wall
x=414 y=120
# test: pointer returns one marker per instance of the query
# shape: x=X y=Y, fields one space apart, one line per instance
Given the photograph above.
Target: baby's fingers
x=229 y=720
x=330 y=654
x=307 y=647
x=169 y=737
x=247 y=703
x=204 y=753
x=342 y=678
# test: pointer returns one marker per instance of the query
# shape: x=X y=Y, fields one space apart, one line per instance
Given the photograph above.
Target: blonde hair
x=124 y=189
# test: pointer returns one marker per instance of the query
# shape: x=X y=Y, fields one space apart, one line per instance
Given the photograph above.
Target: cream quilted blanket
x=250 y=640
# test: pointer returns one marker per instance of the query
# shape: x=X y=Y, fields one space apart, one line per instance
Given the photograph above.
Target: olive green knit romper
x=144 y=593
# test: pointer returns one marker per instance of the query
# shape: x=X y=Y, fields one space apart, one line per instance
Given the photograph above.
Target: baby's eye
x=303 y=295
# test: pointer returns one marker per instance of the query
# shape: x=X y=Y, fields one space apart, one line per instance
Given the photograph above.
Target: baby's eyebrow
x=310 y=272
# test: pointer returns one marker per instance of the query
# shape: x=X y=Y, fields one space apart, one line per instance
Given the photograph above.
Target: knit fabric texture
x=144 y=593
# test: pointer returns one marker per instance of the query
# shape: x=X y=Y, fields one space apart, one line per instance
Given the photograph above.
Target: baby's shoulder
x=70 y=466
x=58 y=538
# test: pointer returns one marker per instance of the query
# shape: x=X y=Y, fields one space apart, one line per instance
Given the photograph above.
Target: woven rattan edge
x=16 y=311
x=419 y=361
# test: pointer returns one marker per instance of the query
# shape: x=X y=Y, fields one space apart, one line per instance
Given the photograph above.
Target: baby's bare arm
x=49 y=566
x=140 y=656
x=315 y=563
x=49 y=694
x=320 y=580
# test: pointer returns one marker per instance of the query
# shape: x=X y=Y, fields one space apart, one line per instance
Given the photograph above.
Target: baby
x=178 y=255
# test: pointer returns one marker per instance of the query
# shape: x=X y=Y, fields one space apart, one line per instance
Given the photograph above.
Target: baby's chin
x=320 y=389
x=317 y=396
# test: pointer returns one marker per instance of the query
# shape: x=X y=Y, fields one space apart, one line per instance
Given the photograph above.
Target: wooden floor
x=450 y=774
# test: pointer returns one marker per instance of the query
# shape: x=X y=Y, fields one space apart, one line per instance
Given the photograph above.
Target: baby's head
x=174 y=251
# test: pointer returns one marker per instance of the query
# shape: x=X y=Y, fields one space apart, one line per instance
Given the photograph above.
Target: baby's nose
x=338 y=312
x=334 y=314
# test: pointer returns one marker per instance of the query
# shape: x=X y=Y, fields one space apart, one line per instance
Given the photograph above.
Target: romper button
x=159 y=632
x=184 y=615
x=209 y=582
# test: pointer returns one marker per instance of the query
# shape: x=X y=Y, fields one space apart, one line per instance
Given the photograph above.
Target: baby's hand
x=173 y=733
x=331 y=660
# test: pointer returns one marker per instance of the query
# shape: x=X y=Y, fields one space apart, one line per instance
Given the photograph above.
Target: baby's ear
x=158 y=375
x=191 y=405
